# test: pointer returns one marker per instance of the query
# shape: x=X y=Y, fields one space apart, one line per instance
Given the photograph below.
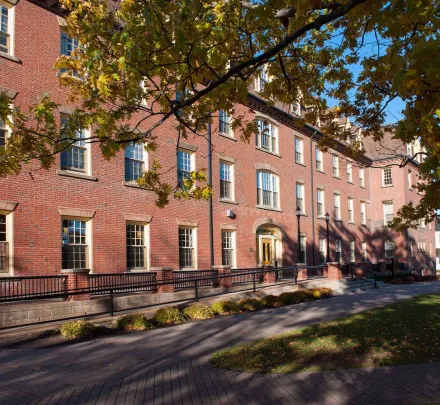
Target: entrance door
x=267 y=251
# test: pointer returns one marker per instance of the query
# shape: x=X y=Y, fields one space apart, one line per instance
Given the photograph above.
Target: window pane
x=227 y=248
x=4 y=35
x=73 y=244
x=186 y=249
x=224 y=122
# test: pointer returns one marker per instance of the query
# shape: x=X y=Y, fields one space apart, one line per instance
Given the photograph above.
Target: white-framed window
x=6 y=249
x=185 y=166
x=75 y=236
x=261 y=79
x=410 y=179
x=322 y=251
x=303 y=249
x=422 y=223
x=349 y=173
x=7 y=28
x=77 y=156
x=299 y=150
x=335 y=165
x=363 y=213
x=295 y=108
x=364 y=251
x=388 y=212
x=224 y=123
x=267 y=137
x=337 y=206
x=187 y=247
x=267 y=189
x=226 y=180
x=338 y=250
x=228 y=248
x=350 y=210
x=362 y=177
x=320 y=202
x=3 y=133
x=387 y=177
x=136 y=237
x=389 y=249
x=135 y=161
x=68 y=46
x=352 y=251
x=300 y=202
x=319 y=159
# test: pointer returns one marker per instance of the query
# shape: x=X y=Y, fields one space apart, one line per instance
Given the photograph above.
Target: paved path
x=170 y=365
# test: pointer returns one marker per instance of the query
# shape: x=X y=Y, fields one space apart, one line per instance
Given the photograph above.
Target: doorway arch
x=269 y=241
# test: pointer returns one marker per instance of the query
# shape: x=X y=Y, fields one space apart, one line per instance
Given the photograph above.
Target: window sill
x=75 y=271
x=299 y=163
x=10 y=57
x=350 y=182
x=76 y=175
x=224 y=200
x=267 y=151
x=338 y=220
x=388 y=185
x=352 y=223
x=337 y=177
x=231 y=138
x=320 y=171
x=362 y=187
x=137 y=270
x=133 y=185
x=262 y=207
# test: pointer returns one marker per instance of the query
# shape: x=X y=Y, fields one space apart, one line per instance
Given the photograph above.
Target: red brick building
x=86 y=212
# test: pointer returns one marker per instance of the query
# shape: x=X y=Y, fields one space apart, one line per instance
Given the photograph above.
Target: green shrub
x=134 y=322
x=225 y=307
x=250 y=304
x=169 y=316
x=77 y=329
x=271 y=301
x=198 y=311
x=287 y=298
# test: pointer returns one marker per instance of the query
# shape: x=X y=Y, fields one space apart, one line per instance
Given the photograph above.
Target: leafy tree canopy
x=134 y=58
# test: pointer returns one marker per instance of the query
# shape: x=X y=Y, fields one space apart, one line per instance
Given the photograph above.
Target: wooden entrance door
x=267 y=251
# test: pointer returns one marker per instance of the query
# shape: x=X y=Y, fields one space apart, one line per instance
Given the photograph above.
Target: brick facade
x=44 y=197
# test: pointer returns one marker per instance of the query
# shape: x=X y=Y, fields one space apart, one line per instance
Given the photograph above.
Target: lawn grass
x=401 y=333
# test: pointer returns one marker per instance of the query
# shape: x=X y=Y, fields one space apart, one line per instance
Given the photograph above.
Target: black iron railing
x=19 y=288
x=122 y=282
x=187 y=278
x=246 y=276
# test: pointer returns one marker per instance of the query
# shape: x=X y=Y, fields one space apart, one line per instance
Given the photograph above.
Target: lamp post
x=327 y=220
x=298 y=215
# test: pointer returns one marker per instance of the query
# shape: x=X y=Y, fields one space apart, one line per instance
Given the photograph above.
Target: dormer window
x=261 y=80
x=295 y=108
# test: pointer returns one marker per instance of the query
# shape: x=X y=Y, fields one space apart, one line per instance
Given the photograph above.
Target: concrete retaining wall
x=31 y=312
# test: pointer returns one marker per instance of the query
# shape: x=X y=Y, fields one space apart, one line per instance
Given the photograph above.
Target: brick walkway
x=170 y=366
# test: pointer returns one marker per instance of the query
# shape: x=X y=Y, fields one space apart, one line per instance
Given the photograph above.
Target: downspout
x=312 y=199
x=211 y=220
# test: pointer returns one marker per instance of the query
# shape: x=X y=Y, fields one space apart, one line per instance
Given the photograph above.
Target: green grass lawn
x=401 y=333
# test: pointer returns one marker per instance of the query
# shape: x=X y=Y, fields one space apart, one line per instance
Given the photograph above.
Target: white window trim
x=350 y=208
x=301 y=150
x=89 y=240
x=303 y=196
x=338 y=249
x=318 y=151
x=349 y=173
x=383 y=177
x=234 y=246
x=384 y=204
x=276 y=136
x=352 y=252
x=305 y=248
x=195 y=249
x=362 y=177
x=147 y=264
x=335 y=165
x=192 y=156
x=324 y=244
x=11 y=26
x=229 y=134
x=144 y=160
x=364 y=257
x=10 y=240
x=338 y=211
x=363 y=209
x=232 y=175
x=260 y=191
x=320 y=190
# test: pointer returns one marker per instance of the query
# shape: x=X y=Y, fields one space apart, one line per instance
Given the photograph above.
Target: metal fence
x=122 y=282
x=22 y=288
x=246 y=276
x=189 y=278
